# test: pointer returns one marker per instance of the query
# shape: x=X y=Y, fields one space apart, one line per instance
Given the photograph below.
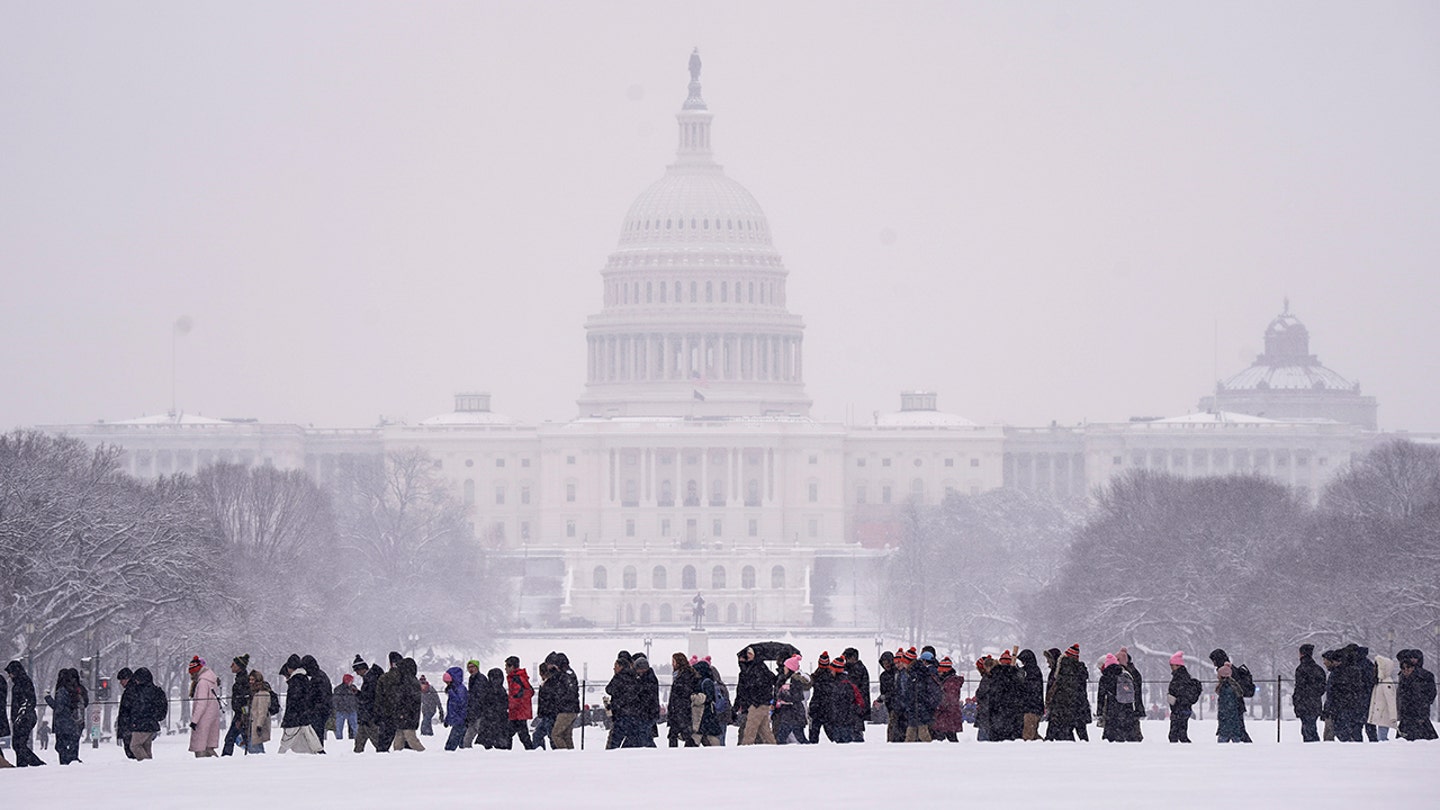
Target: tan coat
x=259 y=731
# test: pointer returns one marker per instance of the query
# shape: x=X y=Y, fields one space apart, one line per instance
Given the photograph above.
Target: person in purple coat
x=455 y=701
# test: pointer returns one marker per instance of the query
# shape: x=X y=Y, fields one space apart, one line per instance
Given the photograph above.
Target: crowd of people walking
x=777 y=700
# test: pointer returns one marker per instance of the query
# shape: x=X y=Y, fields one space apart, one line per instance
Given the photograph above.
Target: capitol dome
x=694 y=321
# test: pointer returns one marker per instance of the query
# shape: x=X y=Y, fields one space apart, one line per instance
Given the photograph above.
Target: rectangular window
x=570 y=492
x=569 y=459
x=885 y=494
x=499 y=462
x=524 y=530
x=717 y=528
x=949 y=462
x=500 y=496
x=630 y=528
x=665 y=527
x=884 y=462
x=814 y=492
x=500 y=530
x=814 y=459
x=524 y=462
x=1117 y=461
x=525 y=495
x=860 y=494
x=754 y=527
x=859 y=462
x=814 y=527
x=974 y=462
x=569 y=528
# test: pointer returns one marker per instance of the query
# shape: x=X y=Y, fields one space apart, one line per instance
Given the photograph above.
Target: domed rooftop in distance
x=694 y=321
x=920 y=410
x=1288 y=382
x=471 y=410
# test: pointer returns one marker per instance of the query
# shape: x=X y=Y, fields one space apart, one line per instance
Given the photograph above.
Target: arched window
x=687 y=578
x=692 y=493
x=663 y=288
x=644 y=614
x=917 y=490
x=777 y=577
x=677 y=292
x=747 y=577
x=724 y=292
x=629 y=614
x=629 y=578
x=709 y=292
x=666 y=615
x=648 y=291
x=717 y=578
x=469 y=492
x=659 y=580
x=752 y=292
x=694 y=291
x=732 y=613
x=667 y=494
x=600 y=578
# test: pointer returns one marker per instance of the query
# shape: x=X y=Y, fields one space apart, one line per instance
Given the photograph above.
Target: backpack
x=1125 y=689
x=274 y=706
x=1244 y=681
x=722 y=703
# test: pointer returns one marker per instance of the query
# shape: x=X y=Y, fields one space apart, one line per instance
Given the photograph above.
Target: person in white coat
x=1384 y=715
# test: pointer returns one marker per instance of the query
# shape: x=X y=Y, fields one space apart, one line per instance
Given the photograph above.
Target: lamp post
x=30 y=648
x=879 y=646
x=129 y=639
x=648 y=642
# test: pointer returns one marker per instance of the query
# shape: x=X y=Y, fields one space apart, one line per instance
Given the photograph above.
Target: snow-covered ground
x=875 y=774
x=1153 y=773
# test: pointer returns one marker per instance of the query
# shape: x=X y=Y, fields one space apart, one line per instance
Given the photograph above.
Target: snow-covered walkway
x=1153 y=773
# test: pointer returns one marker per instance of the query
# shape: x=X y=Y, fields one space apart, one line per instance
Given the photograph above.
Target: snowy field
x=875 y=774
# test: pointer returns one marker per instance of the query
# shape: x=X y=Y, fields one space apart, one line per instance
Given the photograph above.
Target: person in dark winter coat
x=367 y=713
x=626 y=693
x=821 y=681
x=520 y=693
x=239 y=703
x=1414 y=695
x=429 y=706
x=982 y=698
x=894 y=719
x=1123 y=656
x=1347 y=695
x=1183 y=692
x=710 y=728
x=683 y=684
x=1235 y=684
x=298 y=720
x=562 y=735
x=322 y=697
x=1034 y=691
x=68 y=708
x=148 y=708
x=22 y=714
x=860 y=676
x=1068 y=699
x=843 y=704
x=494 y=708
x=456 y=702
x=345 y=699
x=920 y=689
x=124 y=714
x=474 y=695
x=1005 y=700
x=407 y=706
x=1116 y=702
x=950 y=715
x=1309 y=695
x=789 y=714
x=753 y=695
x=5 y=721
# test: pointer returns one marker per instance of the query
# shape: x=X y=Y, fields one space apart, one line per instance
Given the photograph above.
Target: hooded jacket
x=148 y=704
x=299 y=704
x=1034 y=689
x=494 y=712
x=1414 y=696
x=1309 y=694
x=22 y=695
x=1006 y=703
x=456 y=697
x=322 y=698
x=366 y=711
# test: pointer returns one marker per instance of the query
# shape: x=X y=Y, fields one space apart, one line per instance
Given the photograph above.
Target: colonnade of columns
x=662 y=476
x=690 y=356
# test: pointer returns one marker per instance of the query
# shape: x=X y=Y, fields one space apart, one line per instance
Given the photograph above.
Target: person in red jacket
x=520 y=694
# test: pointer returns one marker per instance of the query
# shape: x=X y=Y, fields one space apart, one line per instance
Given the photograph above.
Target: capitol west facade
x=694 y=465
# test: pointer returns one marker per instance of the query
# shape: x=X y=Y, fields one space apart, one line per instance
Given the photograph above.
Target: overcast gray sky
x=1041 y=210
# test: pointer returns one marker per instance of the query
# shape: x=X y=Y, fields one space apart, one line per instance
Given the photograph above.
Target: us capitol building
x=694 y=464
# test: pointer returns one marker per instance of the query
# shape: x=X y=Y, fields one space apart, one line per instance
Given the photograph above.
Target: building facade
x=694 y=466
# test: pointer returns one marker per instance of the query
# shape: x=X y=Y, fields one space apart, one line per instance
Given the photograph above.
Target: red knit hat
x=1073 y=652
x=196 y=664
x=945 y=663
x=1005 y=658
x=838 y=663
x=824 y=659
x=910 y=654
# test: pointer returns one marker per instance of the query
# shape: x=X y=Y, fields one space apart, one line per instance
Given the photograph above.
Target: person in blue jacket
x=455 y=705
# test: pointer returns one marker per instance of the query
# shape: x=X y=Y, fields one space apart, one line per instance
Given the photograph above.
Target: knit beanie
x=1307 y=650
x=196 y=664
x=395 y=658
x=347 y=678
x=242 y=661
x=824 y=660
x=927 y=656
x=473 y=662
x=1218 y=656
x=1110 y=659
x=793 y=663
x=838 y=663
x=945 y=665
x=1005 y=659
x=1178 y=659
x=359 y=663
x=1073 y=652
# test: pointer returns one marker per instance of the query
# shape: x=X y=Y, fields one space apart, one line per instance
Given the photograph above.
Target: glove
x=1170 y=699
x=193 y=726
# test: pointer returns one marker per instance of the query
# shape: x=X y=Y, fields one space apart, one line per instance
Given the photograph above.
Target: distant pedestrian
x=1183 y=692
x=950 y=716
x=148 y=709
x=204 y=709
x=296 y=723
x=322 y=697
x=67 y=706
x=1067 y=698
x=239 y=703
x=520 y=694
x=1415 y=696
x=1117 y=700
x=1309 y=693
x=455 y=704
x=257 y=716
x=346 y=700
x=406 y=707
x=1034 y=692
x=1235 y=685
x=367 y=713
x=1383 y=713
x=429 y=706
x=683 y=685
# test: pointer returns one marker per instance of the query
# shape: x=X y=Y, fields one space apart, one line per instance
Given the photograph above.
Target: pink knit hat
x=1110 y=659
x=694 y=659
x=793 y=663
x=1178 y=659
